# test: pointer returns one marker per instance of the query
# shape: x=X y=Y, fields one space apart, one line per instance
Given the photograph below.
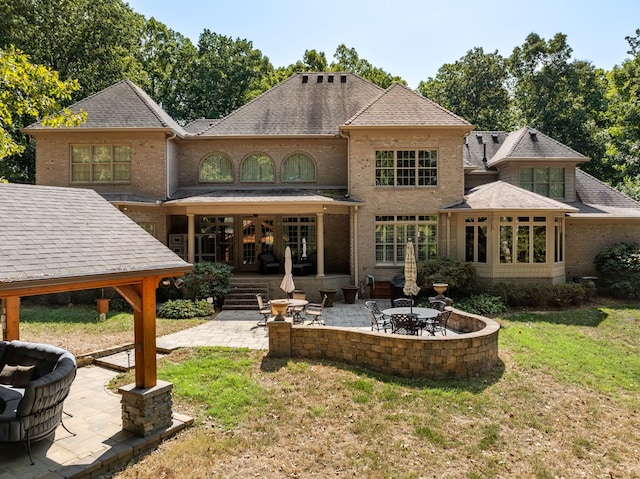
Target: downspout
x=449 y=234
x=355 y=245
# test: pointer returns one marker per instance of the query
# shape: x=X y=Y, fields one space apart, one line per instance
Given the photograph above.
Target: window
x=476 y=239
x=548 y=182
x=258 y=167
x=298 y=167
x=392 y=233
x=100 y=163
x=214 y=239
x=149 y=228
x=523 y=239
x=558 y=240
x=216 y=168
x=298 y=233
x=406 y=168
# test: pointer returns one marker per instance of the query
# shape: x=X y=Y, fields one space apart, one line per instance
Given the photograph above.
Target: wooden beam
x=145 y=335
x=131 y=296
x=11 y=312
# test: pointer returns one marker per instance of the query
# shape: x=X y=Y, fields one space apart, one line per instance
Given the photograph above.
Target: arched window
x=298 y=167
x=216 y=168
x=258 y=167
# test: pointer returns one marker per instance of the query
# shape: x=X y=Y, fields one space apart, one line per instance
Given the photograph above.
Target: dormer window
x=549 y=182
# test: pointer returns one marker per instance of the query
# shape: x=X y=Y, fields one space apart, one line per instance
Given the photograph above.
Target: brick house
x=331 y=164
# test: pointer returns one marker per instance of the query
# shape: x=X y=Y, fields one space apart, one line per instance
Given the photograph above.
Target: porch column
x=11 y=316
x=191 y=239
x=320 y=243
x=145 y=334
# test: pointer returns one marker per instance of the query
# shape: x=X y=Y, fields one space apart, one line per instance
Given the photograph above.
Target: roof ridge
x=437 y=105
x=152 y=105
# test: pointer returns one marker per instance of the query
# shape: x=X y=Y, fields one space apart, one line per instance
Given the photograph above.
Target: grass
x=562 y=403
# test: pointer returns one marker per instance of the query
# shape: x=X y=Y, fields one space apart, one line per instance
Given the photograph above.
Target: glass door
x=257 y=237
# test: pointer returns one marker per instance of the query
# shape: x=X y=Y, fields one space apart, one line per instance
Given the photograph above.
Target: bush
x=619 y=267
x=208 y=280
x=461 y=277
x=543 y=295
x=185 y=309
x=483 y=304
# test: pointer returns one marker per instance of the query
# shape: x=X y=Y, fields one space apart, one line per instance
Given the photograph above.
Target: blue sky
x=408 y=38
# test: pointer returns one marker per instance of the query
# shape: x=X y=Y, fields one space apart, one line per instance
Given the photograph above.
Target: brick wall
x=432 y=357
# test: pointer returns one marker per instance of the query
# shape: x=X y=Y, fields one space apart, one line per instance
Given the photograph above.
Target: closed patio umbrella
x=287 y=284
x=411 y=287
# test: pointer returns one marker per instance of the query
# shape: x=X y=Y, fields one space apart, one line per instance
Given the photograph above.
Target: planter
x=102 y=305
x=279 y=308
x=331 y=294
x=350 y=293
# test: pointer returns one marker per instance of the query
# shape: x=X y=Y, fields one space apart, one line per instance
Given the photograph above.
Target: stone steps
x=242 y=295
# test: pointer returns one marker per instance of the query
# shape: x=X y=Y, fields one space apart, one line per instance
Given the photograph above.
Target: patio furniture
x=315 y=310
x=402 y=302
x=297 y=305
x=35 y=379
x=440 y=324
x=437 y=304
x=405 y=324
x=263 y=309
x=378 y=319
x=268 y=263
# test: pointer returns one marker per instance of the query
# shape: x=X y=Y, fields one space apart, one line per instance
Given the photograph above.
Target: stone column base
x=145 y=411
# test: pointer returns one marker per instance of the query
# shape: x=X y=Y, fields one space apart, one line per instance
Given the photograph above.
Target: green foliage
x=208 y=279
x=461 y=277
x=483 y=304
x=619 y=266
x=348 y=60
x=185 y=309
x=539 y=295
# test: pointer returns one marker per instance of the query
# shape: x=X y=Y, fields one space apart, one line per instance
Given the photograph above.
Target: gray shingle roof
x=50 y=233
x=481 y=144
x=500 y=195
x=401 y=106
x=259 y=196
x=528 y=143
x=301 y=105
x=121 y=105
x=599 y=199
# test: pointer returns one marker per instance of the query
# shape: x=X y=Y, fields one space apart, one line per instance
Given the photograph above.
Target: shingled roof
x=597 y=199
x=61 y=235
x=401 y=106
x=528 y=143
x=121 y=105
x=304 y=104
x=500 y=195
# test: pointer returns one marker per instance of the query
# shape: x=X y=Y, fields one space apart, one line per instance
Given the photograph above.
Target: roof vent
x=343 y=78
x=495 y=138
x=479 y=138
x=330 y=78
x=534 y=135
x=319 y=78
x=305 y=78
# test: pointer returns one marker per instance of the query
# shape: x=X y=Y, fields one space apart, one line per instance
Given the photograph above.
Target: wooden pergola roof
x=66 y=239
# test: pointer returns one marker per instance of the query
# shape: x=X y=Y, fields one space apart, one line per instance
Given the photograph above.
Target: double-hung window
x=392 y=233
x=547 y=182
x=100 y=164
x=406 y=168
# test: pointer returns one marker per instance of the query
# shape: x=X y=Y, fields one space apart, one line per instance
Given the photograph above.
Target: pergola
x=67 y=239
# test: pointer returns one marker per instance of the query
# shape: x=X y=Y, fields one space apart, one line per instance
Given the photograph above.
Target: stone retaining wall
x=432 y=357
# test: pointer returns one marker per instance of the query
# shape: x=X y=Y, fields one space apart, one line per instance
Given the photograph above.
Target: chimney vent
x=319 y=78
x=305 y=78
x=343 y=78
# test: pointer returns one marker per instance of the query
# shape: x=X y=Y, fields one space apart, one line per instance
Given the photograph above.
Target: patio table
x=426 y=316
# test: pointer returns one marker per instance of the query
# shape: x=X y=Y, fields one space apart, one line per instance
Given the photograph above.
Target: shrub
x=619 y=266
x=539 y=295
x=461 y=277
x=484 y=304
x=185 y=309
x=208 y=279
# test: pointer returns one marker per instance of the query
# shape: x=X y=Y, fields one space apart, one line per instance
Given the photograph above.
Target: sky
x=411 y=39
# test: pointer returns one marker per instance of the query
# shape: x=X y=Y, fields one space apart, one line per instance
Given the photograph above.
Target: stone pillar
x=280 y=338
x=191 y=238
x=320 y=244
x=145 y=411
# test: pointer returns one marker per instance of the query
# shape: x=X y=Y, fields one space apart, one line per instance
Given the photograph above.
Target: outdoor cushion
x=23 y=376
x=7 y=374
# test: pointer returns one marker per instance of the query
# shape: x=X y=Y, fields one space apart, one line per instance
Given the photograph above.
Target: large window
x=392 y=233
x=406 y=168
x=258 y=168
x=523 y=239
x=475 y=231
x=214 y=239
x=216 y=168
x=101 y=163
x=299 y=233
x=548 y=182
x=298 y=167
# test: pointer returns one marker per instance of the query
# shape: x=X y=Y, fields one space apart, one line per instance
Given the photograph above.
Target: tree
x=347 y=60
x=561 y=98
x=93 y=41
x=475 y=88
x=224 y=76
x=29 y=91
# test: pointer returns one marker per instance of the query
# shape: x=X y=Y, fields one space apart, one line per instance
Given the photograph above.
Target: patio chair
x=441 y=323
x=263 y=309
x=296 y=311
x=404 y=324
x=378 y=319
x=315 y=310
x=437 y=304
x=402 y=302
